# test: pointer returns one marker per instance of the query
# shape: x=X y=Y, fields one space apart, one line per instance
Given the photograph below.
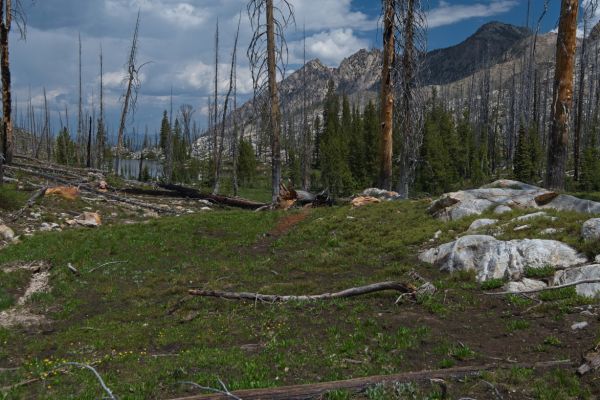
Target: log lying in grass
x=361 y=384
x=545 y=289
x=90 y=189
x=222 y=200
x=352 y=292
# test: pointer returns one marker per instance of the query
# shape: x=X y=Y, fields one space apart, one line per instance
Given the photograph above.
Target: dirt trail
x=284 y=226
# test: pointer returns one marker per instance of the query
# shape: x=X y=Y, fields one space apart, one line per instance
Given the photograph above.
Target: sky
x=177 y=40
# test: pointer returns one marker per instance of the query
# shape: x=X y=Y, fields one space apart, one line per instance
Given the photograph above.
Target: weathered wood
x=90 y=189
x=310 y=391
x=38 y=193
x=352 y=292
x=566 y=285
x=223 y=200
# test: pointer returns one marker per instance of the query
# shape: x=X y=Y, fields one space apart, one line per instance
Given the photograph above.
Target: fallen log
x=352 y=292
x=90 y=189
x=222 y=200
x=356 y=385
x=38 y=193
x=566 y=285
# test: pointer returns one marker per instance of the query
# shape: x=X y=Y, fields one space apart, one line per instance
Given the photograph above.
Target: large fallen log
x=90 y=189
x=310 y=391
x=192 y=193
x=547 y=288
x=352 y=292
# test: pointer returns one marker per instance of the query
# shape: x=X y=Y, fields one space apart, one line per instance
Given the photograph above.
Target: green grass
x=133 y=321
x=537 y=273
x=117 y=317
x=11 y=199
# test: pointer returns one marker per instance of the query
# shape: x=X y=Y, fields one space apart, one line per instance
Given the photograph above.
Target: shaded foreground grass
x=134 y=323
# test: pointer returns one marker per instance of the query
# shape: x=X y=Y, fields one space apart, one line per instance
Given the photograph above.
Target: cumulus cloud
x=447 y=13
x=330 y=46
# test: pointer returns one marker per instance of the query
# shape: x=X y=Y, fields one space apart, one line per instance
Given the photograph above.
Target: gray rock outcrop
x=591 y=229
x=496 y=259
x=586 y=272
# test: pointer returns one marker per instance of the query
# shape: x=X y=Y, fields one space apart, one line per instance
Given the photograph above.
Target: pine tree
x=335 y=171
x=65 y=148
x=371 y=137
x=522 y=163
x=246 y=163
x=165 y=127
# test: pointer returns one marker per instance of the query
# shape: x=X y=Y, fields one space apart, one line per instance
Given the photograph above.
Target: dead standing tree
x=219 y=155
x=589 y=12
x=132 y=87
x=9 y=10
x=410 y=42
x=387 y=95
x=566 y=44
x=266 y=53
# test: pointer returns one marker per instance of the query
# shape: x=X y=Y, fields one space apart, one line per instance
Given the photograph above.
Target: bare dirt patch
x=21 y=314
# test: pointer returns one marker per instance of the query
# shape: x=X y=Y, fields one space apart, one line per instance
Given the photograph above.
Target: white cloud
x=330 y=47
x=448 y=14
x=330 y=14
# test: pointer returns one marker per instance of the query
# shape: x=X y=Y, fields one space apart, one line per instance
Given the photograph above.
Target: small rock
x=527 y=217
x=502 y=209
x=521 y=228
x=597 y=259
x=350 y=217
x=480 y=223
x=549 y=231
x=206 y=209
x=591 y=229
x=6 y=233
x=587 y=313
x=89 y=219
x=579 y=325
x=438 y=235
x=524 y=285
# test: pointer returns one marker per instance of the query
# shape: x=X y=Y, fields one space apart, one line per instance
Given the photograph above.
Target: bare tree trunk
x=387 y=96
x=131 y=78
x=215 y=142
x=306 y=139
x=589 y=11
x=80 y=113
x=566 y=45
x=47 y=128
x=275 y=117
x=219 y=160
x=7 y=123
x=89 y=146
x=101 y=138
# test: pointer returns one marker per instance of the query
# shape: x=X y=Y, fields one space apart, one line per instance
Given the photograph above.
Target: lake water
x=130 y=169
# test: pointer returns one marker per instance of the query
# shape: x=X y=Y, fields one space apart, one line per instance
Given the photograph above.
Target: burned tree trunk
x=566 y=44
x=7 y=123
x=275 y=117
x=130 y=92
x=387 y=96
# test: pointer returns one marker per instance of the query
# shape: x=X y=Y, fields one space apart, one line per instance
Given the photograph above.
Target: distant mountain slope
x=494 y=45
x=487 y=46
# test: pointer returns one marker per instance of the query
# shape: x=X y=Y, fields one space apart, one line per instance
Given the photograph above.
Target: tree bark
x=566 y=44
x=387 y=97
x=7 y=123
x=275 y=117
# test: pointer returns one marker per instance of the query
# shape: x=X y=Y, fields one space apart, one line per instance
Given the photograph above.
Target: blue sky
x=178 y=35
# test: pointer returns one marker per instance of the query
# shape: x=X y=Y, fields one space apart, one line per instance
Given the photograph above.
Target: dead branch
x=360 y=384
x=96 y=374
x=90 y=189
x=223 y=200
x=106 y=264
x=352 y=292
x=566 y=285
x=225 y=392
x=39 y=193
